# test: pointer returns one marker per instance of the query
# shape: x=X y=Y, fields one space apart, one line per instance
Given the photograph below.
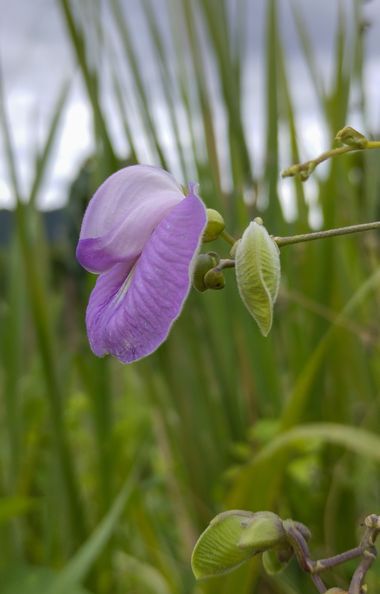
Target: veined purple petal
x=122 y=215
x=131 y=311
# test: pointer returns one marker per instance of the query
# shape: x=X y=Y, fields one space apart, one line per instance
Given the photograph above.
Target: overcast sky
x=36 y=59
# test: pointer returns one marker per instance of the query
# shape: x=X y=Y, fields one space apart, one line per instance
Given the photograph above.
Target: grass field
x=109 y=473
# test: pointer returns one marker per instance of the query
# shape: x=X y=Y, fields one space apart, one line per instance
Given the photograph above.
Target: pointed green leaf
x=232 y=538
x=258 y=273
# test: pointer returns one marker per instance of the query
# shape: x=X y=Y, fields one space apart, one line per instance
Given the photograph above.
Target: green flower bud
x=203 y=263
x=215 y=225
x=351 y=137
x=214 y=279
x=265 y=531
x=306 y=171
x=258 y=272
x=234 y=248
x=232 y=538
x=302 y=170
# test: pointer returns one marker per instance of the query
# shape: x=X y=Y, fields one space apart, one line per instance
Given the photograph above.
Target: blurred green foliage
x=108 y=474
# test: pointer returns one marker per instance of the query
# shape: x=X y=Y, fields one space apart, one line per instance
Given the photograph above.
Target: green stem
x=291 y=239
x=282 y=241
x=306 y=168
x=227 y=237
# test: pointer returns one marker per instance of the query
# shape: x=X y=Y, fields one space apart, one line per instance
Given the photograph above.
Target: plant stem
x=227 y=237
x=366 y=550
x=225 y=263
x=302 y=553
x=282 y=241
x=369 y=557
x=329 y=562
x=291 y=239
x=304 y=169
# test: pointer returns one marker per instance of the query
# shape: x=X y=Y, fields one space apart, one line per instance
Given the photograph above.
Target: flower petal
x=132 y=309
x=122 y=215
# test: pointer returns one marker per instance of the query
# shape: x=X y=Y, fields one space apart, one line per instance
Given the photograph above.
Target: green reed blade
x=42 y=160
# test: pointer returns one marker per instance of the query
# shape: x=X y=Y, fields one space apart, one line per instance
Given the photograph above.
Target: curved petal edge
x=134 y=305
x=122 y=214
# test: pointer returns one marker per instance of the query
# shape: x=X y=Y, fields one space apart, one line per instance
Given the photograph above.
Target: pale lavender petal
x=130 y=317
x=122 y=215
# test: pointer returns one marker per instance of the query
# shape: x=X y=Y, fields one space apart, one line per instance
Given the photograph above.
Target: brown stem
x=356 y=584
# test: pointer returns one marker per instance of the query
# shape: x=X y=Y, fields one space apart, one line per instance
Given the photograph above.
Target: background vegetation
x=108 y=474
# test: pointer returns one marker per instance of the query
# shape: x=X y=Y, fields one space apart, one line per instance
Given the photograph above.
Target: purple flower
x=141 y=235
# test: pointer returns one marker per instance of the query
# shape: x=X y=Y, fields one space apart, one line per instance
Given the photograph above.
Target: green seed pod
x=351 y=137
x=258 y=272
x=203 y=263
x=232 y=538
x=214 y=279
x=215 y=225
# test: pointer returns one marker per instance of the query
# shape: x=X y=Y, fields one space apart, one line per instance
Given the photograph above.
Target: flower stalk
x=228 y=237
x=366 y=550
x=351 y=138
x=291 y=239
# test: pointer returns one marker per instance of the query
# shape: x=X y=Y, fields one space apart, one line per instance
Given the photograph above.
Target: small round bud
x=215 y=225
x=306 y=171
x=203 y=264
x=372 y=521
x=351 y=137
x=214 y=279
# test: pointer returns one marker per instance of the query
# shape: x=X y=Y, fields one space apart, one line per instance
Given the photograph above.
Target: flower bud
x=265 y=531
x=234 y=248
x=203 y=263
x=351 y=137
x=214 y=279
x=215 y=225
x=372 y=521
x=232 y=538
x=306 y=171
x=258 y=272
